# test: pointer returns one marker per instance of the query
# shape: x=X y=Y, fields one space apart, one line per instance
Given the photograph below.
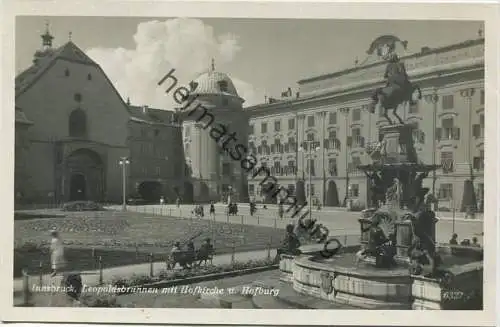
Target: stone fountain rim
x=308 y=263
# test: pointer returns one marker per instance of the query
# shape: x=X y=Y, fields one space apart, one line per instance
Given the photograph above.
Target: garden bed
x=168 y=278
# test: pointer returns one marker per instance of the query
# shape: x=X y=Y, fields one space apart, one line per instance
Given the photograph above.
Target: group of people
x=464 y=242
x=187 y=258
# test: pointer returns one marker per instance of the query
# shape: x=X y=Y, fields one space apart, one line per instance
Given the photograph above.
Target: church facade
x=73 y=130
x=319 y=134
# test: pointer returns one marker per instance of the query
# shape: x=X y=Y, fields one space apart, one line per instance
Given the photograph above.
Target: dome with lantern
x=213 y=82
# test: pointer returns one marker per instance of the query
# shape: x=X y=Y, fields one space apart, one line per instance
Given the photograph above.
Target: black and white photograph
x=294 y=164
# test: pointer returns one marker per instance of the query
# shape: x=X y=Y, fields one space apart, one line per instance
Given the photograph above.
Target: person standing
x=162 y=200
x=454 y=238
x=57 y=259
x=212 y=209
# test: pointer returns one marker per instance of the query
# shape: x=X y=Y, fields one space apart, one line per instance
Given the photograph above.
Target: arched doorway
x=332 y=196
x=85 y=172
x=188 y=193
x=77 y=187
x=150 y=191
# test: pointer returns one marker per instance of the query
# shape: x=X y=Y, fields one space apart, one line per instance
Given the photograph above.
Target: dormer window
x=223 y=86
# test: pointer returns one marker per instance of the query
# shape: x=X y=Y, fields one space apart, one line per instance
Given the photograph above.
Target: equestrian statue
x=398 y=89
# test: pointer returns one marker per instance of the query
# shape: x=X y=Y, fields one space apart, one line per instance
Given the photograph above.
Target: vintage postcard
x=303 y=163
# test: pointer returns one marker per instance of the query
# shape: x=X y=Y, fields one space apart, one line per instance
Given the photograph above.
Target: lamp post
x=124 y=162
x=311 y=150
x=469 y=93
x=433 y=99
x=345 y=112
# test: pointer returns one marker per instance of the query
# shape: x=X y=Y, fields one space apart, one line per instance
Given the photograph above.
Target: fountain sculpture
x=398 y=260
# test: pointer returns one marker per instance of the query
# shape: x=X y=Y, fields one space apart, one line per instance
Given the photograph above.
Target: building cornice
x=363 y=89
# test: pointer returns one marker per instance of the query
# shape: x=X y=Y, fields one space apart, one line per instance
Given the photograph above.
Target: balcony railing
x=332 y=144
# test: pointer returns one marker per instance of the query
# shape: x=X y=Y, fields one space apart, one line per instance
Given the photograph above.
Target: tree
x=469 y=201
x=332 y=195
x=300 y=192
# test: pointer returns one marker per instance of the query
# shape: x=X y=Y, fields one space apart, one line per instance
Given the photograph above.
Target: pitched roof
x=45 y=59
x=151 y=115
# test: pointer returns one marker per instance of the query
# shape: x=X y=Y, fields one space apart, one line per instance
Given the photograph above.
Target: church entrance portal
x=77 y=187
x=84 y=173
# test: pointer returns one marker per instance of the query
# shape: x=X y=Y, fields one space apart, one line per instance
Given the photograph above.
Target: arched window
x=78 y=123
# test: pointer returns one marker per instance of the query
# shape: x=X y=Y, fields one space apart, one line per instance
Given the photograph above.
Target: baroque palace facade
x=73 y=129
x=319 y=134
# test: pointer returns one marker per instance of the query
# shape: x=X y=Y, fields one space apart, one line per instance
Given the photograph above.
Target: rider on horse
x=398 y=88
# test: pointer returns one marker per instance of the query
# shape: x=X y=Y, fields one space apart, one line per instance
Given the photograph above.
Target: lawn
x=126 y=238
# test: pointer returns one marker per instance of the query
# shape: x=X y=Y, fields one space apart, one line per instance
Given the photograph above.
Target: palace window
x=310 y=121
x=291 y=123
x=251 y=129
x=251 y=189
x=478 y=162
x=356 y=114
x=278 y=146
x=447 y=161
x=277 y=168
x=265 y=147
x=332 y=135
x=445 y=191
x=448 y=102
x=263 y=128
x=332 y=167
x=354 y=190
x=291 y=144
x=332 y=118
x=277 y=126
x=448 y=131
x=478 y=129
x=77 y=123
x=290 y=168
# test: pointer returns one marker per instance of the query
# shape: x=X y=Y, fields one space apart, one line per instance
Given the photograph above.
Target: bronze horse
x=409 y=94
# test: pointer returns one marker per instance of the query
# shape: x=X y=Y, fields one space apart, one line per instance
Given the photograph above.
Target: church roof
x=214 y=82
x=151 y=115
x=45 y=60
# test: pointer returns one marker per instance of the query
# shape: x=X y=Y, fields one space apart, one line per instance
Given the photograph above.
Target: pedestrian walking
x=57 y=259
x=212 y=208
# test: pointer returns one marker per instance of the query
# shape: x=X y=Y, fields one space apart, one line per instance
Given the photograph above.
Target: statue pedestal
x=398 y=144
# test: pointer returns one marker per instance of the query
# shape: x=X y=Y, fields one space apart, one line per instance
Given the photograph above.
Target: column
x=345 y=150
x=323 y=120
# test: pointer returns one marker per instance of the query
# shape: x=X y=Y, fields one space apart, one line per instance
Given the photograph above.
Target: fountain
x=398 y=264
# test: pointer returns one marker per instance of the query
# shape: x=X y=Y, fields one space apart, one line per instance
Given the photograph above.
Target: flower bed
x=191 y=276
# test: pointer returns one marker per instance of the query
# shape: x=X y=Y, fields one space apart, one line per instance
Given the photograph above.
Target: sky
x=263 y=57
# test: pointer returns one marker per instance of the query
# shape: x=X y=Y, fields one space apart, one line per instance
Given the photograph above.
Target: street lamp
x=469 y=93
x=311 y=150
x=433 y=98
x=345 y=112
x=124 y=162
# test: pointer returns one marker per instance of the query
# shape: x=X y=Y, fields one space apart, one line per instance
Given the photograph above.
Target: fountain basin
x=341 y=280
